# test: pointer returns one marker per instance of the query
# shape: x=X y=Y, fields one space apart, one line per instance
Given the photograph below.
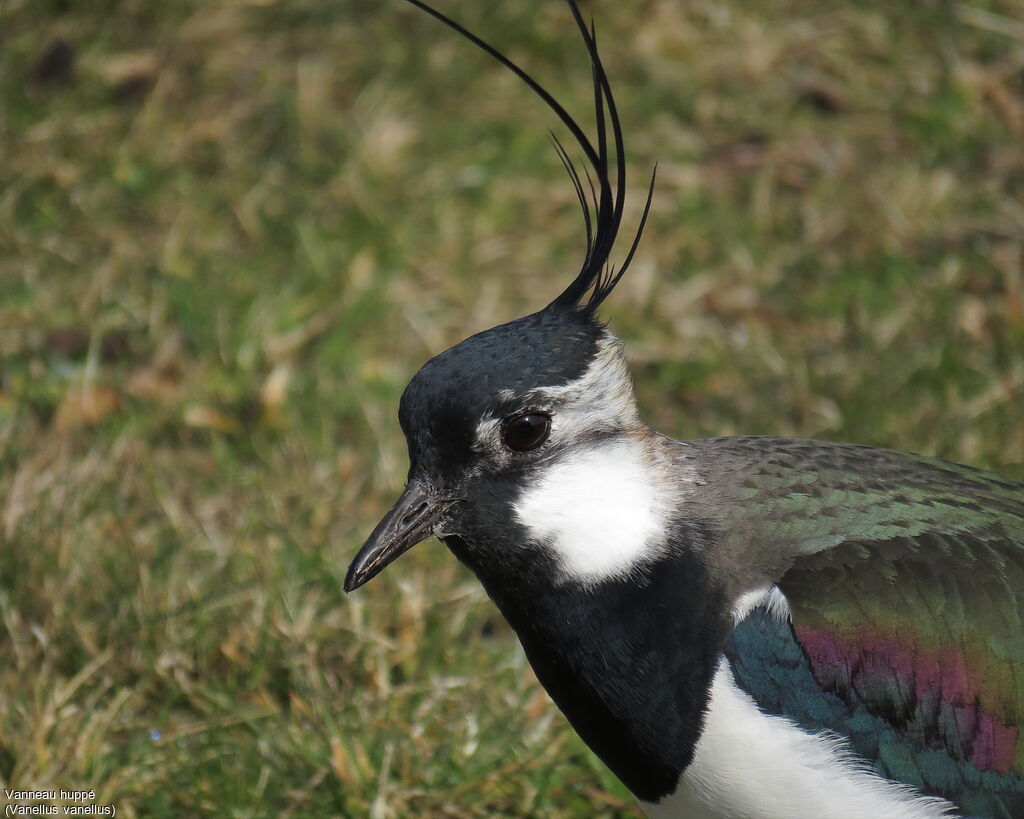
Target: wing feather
x=905 y=582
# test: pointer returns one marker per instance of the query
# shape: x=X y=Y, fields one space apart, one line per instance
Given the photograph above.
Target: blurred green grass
x=231 y=231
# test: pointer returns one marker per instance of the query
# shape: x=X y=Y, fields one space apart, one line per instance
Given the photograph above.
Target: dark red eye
x=527 y=431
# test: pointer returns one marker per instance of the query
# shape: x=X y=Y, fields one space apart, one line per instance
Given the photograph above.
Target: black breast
x=628 y=661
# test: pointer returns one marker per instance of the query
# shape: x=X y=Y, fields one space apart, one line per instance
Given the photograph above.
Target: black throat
x=629 y=661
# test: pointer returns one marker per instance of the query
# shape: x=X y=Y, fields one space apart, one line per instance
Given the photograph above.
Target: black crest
x=602 y=212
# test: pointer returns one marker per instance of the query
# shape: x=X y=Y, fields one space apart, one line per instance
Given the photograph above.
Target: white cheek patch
x=601 y=510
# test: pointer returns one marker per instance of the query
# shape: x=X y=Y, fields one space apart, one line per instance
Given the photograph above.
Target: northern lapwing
x=738 y=627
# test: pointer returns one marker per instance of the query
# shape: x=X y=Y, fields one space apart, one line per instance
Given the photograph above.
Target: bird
x=751 y=627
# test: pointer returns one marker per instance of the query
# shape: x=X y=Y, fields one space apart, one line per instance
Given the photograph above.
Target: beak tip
x=352 y=580
x=410 y=521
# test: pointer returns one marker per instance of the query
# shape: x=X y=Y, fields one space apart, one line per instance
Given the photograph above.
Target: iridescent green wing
x=905 y=581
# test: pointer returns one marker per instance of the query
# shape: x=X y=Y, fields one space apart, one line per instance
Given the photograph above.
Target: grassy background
x=231 y=231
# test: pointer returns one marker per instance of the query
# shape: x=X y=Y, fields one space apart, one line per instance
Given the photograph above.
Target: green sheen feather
x=888 y=554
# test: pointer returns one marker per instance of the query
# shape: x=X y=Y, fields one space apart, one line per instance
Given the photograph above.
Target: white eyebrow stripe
x=601 y=397
x=606 y=378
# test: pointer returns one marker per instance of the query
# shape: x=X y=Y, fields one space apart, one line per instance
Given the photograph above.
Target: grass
x=229 y=234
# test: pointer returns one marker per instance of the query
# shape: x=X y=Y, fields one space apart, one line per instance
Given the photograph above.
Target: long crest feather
x=597 y=277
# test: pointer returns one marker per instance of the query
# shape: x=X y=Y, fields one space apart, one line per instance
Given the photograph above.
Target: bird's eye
x=527 y=431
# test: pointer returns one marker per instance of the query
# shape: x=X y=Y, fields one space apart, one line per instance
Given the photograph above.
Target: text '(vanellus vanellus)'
x=738 y=627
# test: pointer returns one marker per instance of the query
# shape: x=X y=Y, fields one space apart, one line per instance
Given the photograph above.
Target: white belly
x=751 y=765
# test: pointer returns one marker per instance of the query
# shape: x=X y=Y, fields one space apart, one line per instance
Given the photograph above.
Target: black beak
x=410 y=521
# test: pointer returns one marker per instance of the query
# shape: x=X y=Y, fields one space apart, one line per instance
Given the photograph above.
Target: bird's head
x=514 y=429
x=503 y=430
